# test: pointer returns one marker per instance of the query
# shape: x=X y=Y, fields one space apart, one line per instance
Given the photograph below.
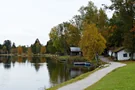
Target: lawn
x=120 y=79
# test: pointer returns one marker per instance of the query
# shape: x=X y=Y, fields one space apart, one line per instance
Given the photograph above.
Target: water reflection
x=47 y=72
x=35 y=61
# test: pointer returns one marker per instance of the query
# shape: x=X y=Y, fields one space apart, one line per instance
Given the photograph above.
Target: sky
x=23 y=21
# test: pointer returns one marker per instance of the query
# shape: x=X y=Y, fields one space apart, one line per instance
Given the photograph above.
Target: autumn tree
x=29 y=51
x=92 y=42
x=43 y=50
x=19 y=50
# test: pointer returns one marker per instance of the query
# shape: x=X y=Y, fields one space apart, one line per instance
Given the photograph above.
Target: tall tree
x=92 y=42
x=57 y=35
x=102 y=20
x=91 y=13
x=130 y=42
x=7 y=43
x=36 y=47
x=72 y=35
x=116 y=31
x=126 y=11
x=125 y=8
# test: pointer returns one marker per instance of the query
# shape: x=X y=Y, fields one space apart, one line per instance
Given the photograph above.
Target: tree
x=92 y=42
x=57 y=35
x=36 y=47
x=72 y=35
x=20 y=50
x=7 y=43
x=4 y=49
x=116 y=31
x=125 y=9
x=29 y=51
x=91 y=13
x=50 y=48
x=25 y=49
x=43 y=50
x=13 y=46
x=129 y=42
x=102 y=20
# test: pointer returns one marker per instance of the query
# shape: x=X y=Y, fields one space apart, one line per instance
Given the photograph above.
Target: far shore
x=22 y=55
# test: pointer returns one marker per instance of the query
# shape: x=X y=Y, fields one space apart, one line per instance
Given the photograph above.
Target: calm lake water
x=17 y=73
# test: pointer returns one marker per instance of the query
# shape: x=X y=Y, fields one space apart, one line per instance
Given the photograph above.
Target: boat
x=82 y=63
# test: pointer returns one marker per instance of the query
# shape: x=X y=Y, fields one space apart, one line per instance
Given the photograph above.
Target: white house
x=120 y=54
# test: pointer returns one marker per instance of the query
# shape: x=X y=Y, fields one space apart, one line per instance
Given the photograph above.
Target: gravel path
x=93 y=78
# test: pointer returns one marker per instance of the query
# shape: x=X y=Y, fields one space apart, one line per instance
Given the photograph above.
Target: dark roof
x=75 y=49
x=118 y=49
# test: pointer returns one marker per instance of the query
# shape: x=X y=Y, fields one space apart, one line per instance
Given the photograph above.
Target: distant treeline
x=10 y=48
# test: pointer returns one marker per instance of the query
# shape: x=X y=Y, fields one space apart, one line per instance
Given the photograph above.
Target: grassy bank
x=72 y=80
x=119 y=79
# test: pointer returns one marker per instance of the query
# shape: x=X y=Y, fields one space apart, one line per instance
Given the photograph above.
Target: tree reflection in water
x=58 y=72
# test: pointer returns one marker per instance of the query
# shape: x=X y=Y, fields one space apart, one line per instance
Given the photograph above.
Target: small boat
x=82 y=63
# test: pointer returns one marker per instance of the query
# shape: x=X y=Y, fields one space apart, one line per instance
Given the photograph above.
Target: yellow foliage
x=92 y=42
x=29 y=52
x=43 y=50
x=19 y=50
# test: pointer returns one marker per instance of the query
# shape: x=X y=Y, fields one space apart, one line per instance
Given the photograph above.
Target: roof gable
x=119 y=49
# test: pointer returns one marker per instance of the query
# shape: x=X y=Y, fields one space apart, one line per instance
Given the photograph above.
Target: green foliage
x=36 y=47
x=129 y=42
x=125 y=12
x=50 y=48
x=72 y=35
x=63 y=36
x=7 y=44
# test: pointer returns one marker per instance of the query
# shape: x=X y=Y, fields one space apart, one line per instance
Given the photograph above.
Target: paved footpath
x=93 y=78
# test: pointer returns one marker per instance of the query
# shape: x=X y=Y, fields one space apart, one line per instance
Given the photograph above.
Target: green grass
x=72 y=80
x=120 y=79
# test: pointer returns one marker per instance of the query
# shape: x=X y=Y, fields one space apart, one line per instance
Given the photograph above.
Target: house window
x=125 y=55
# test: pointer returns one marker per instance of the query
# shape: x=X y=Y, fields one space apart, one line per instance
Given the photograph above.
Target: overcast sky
x=22 y=21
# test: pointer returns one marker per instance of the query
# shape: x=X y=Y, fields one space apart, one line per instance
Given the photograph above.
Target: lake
x=35 y=73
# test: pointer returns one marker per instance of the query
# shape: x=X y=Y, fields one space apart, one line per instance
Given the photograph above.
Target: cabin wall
x=123 y=55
